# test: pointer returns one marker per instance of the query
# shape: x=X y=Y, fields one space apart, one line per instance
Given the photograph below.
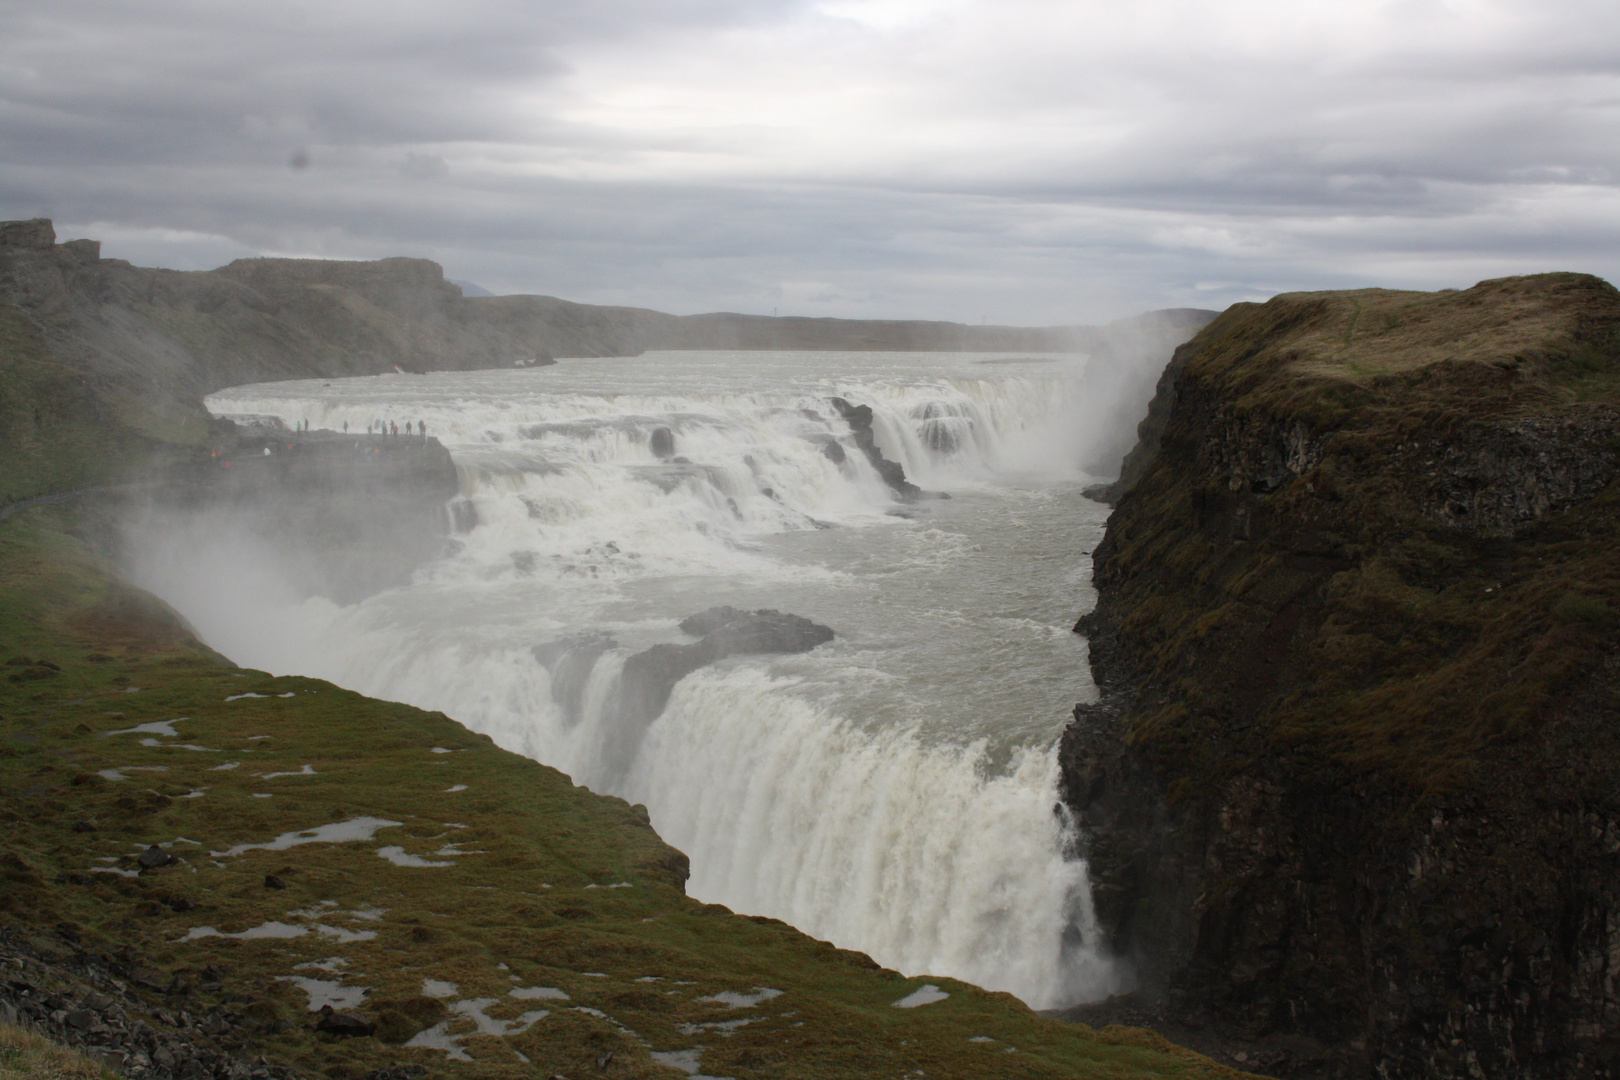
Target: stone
x=36 y=233
x=154 y=857
x=346 y=1025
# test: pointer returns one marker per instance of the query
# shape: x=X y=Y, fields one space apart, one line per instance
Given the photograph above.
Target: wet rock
x=154 y=857
x=729 y=631
x=662 y=443
x=347 y=1025
x=649 y=676
x=859 y=419
x=570 y=660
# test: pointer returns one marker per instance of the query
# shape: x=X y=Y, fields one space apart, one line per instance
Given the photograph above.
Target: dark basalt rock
x=79 y=1002
x=662 y=443
x=859 y=419
x=570 y=661
x=346 y=1025
x=649 y=676
x=1424 y=887
x=154 y=857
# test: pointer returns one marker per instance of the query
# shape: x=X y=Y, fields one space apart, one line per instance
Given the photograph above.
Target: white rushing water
x=895 y=790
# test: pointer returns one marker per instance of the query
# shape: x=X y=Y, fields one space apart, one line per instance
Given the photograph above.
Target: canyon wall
x=1351 y=789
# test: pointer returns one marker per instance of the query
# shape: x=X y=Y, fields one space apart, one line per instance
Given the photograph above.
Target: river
x=893 y=791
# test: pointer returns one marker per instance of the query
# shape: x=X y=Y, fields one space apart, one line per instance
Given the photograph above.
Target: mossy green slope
x=480 y=869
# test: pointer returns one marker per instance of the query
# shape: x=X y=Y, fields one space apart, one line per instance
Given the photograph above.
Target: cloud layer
x=1024 y=161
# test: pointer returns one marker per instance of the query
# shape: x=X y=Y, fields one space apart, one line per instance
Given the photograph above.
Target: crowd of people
x=388 y=429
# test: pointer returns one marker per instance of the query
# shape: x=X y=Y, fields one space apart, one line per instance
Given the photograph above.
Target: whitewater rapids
x=893 y=791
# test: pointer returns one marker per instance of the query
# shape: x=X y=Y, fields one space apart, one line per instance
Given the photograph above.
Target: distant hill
x=128 y=352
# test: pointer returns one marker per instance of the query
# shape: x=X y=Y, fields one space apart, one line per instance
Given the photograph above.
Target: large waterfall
x=893 y=790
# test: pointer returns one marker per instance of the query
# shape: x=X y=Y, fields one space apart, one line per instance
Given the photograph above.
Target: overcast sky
x=1021 y=161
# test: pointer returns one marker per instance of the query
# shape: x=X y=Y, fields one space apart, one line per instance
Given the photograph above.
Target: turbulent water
x=894 y=791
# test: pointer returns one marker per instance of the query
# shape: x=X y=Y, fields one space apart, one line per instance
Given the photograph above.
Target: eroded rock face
x=859 y=418
x=648 y=677
x=85 y=1001
x=1354 y=774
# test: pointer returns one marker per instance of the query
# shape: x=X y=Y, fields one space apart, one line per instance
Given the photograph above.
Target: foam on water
x=892 y=791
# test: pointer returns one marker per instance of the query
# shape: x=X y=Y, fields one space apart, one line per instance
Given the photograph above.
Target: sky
x=1026 y=162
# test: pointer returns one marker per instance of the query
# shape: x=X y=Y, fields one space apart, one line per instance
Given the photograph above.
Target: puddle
x=115 y=870
x=263 y=795
x=195 y=793
x=537 y=993
x=339 y=832
x=307 y=770
x=473 y=1009
x=926 y=994
x=399 y=857
x=438 y=1036
x=263 y=930
x=438 y=988
x=684 y=1060
x=118 y=774
x=718 y=1027
x=458 y=787
x=734 y=999
x=156 y=727
x=327 y=992
x=600 y=1015
x=331 y=964
x=441 y=750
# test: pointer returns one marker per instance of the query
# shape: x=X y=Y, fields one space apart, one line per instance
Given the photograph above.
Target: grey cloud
x=448 y=132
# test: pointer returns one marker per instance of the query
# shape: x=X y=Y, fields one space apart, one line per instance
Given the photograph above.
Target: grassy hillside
x=62 y=429
x=488 y=888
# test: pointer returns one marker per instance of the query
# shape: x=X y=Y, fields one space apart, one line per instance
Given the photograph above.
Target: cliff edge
x=1351 y=790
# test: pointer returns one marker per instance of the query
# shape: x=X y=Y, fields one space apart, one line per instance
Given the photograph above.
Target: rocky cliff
x=1351 y=790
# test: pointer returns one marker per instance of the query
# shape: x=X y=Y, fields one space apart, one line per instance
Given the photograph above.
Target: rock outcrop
x=649 y=676
x=859 y=419
x=1354 y=780
x=345 y=515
